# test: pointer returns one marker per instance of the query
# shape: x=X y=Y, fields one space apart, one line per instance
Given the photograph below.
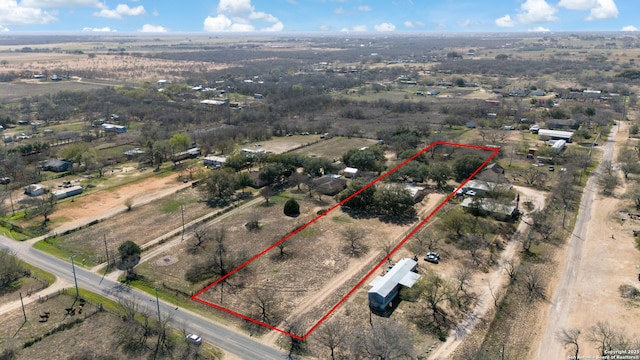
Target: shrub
x=291 y=208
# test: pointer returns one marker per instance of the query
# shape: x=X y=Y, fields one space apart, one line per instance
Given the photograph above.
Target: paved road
x=232 y=342
x=550 y=348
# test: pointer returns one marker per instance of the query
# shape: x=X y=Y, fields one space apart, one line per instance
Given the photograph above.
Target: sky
x=350 y=16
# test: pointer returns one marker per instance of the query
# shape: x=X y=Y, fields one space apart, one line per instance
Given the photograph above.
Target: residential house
x=545 y=134
x=481 y=187
x=384 y=289
x=67 y=192
x=214 y=162
x=417 y=192
x=329 y=185
x=56 y=165
x=501 y=212
x=34 y=189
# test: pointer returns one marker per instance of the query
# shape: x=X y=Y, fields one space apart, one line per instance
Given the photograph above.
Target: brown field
x=335 y=147
x=142 y=224
x=279 y=145
x=306 y=280
x=16 y=90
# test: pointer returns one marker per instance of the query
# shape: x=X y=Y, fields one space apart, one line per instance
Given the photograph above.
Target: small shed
x=350 y=172
x=34 y=190
x=384 y=289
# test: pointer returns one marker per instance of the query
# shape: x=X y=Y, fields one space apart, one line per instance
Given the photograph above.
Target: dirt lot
x=279 y=145
x=335 y=147
x=108 y=202
x=307 y=280
x=156 y=217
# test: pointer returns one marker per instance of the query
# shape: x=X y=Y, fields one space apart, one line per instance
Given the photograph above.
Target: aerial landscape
x=319 y=180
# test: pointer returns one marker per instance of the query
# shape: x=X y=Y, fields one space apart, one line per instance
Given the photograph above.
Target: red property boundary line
x=195 y=297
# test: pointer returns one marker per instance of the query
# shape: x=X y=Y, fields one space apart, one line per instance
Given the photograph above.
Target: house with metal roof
x=384 y=289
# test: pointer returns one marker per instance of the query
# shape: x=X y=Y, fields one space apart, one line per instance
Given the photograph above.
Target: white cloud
x=577 y=4
x=630 y=28
x=464 y=23
x=119 y=11
x=219 y=23
x=239 y=16
x=411 y=24
x=385 y=27
x=364 y=8
x=153 y=28
x=536 y=11
x=13 y=14
x=59 y=3
x=339 y=11
x=104 y=29
x=155 y=13
x=275 y=27
x=3 y=29
x=324 y=27
x=505 y=21
x=539 y=29
x=606 y=9
x=357 y=28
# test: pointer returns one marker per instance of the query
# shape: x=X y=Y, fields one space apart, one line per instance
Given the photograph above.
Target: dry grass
x=141 y=225
x=335 y=147
x=313 y=267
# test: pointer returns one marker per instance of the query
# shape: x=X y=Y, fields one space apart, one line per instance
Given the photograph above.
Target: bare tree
x=511 y=267
x=199 y=239
x=296 y=346
x=603 y=335
x=423 y=241
x=387 y=340
x=267 y=192
x=569 y=337
x=354 y=242
x=532 y=281
x=534 y=176
x=496 y=295
x=264 y=306
x=253 y=220
x=333 y=335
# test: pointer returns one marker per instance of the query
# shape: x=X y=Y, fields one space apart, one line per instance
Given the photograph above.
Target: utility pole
x=182 y=209
x=564 y=215
x=159 y=325
x=23 y=312
x=75 y=279
x=106 y=249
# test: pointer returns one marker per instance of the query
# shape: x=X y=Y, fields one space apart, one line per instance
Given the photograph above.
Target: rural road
x=230 y=341
x=550 y=348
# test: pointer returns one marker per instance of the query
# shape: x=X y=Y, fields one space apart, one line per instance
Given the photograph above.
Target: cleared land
x=335 y=147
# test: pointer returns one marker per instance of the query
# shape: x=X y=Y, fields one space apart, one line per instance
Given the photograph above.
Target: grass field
x=16 y=90
x=334 y=148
